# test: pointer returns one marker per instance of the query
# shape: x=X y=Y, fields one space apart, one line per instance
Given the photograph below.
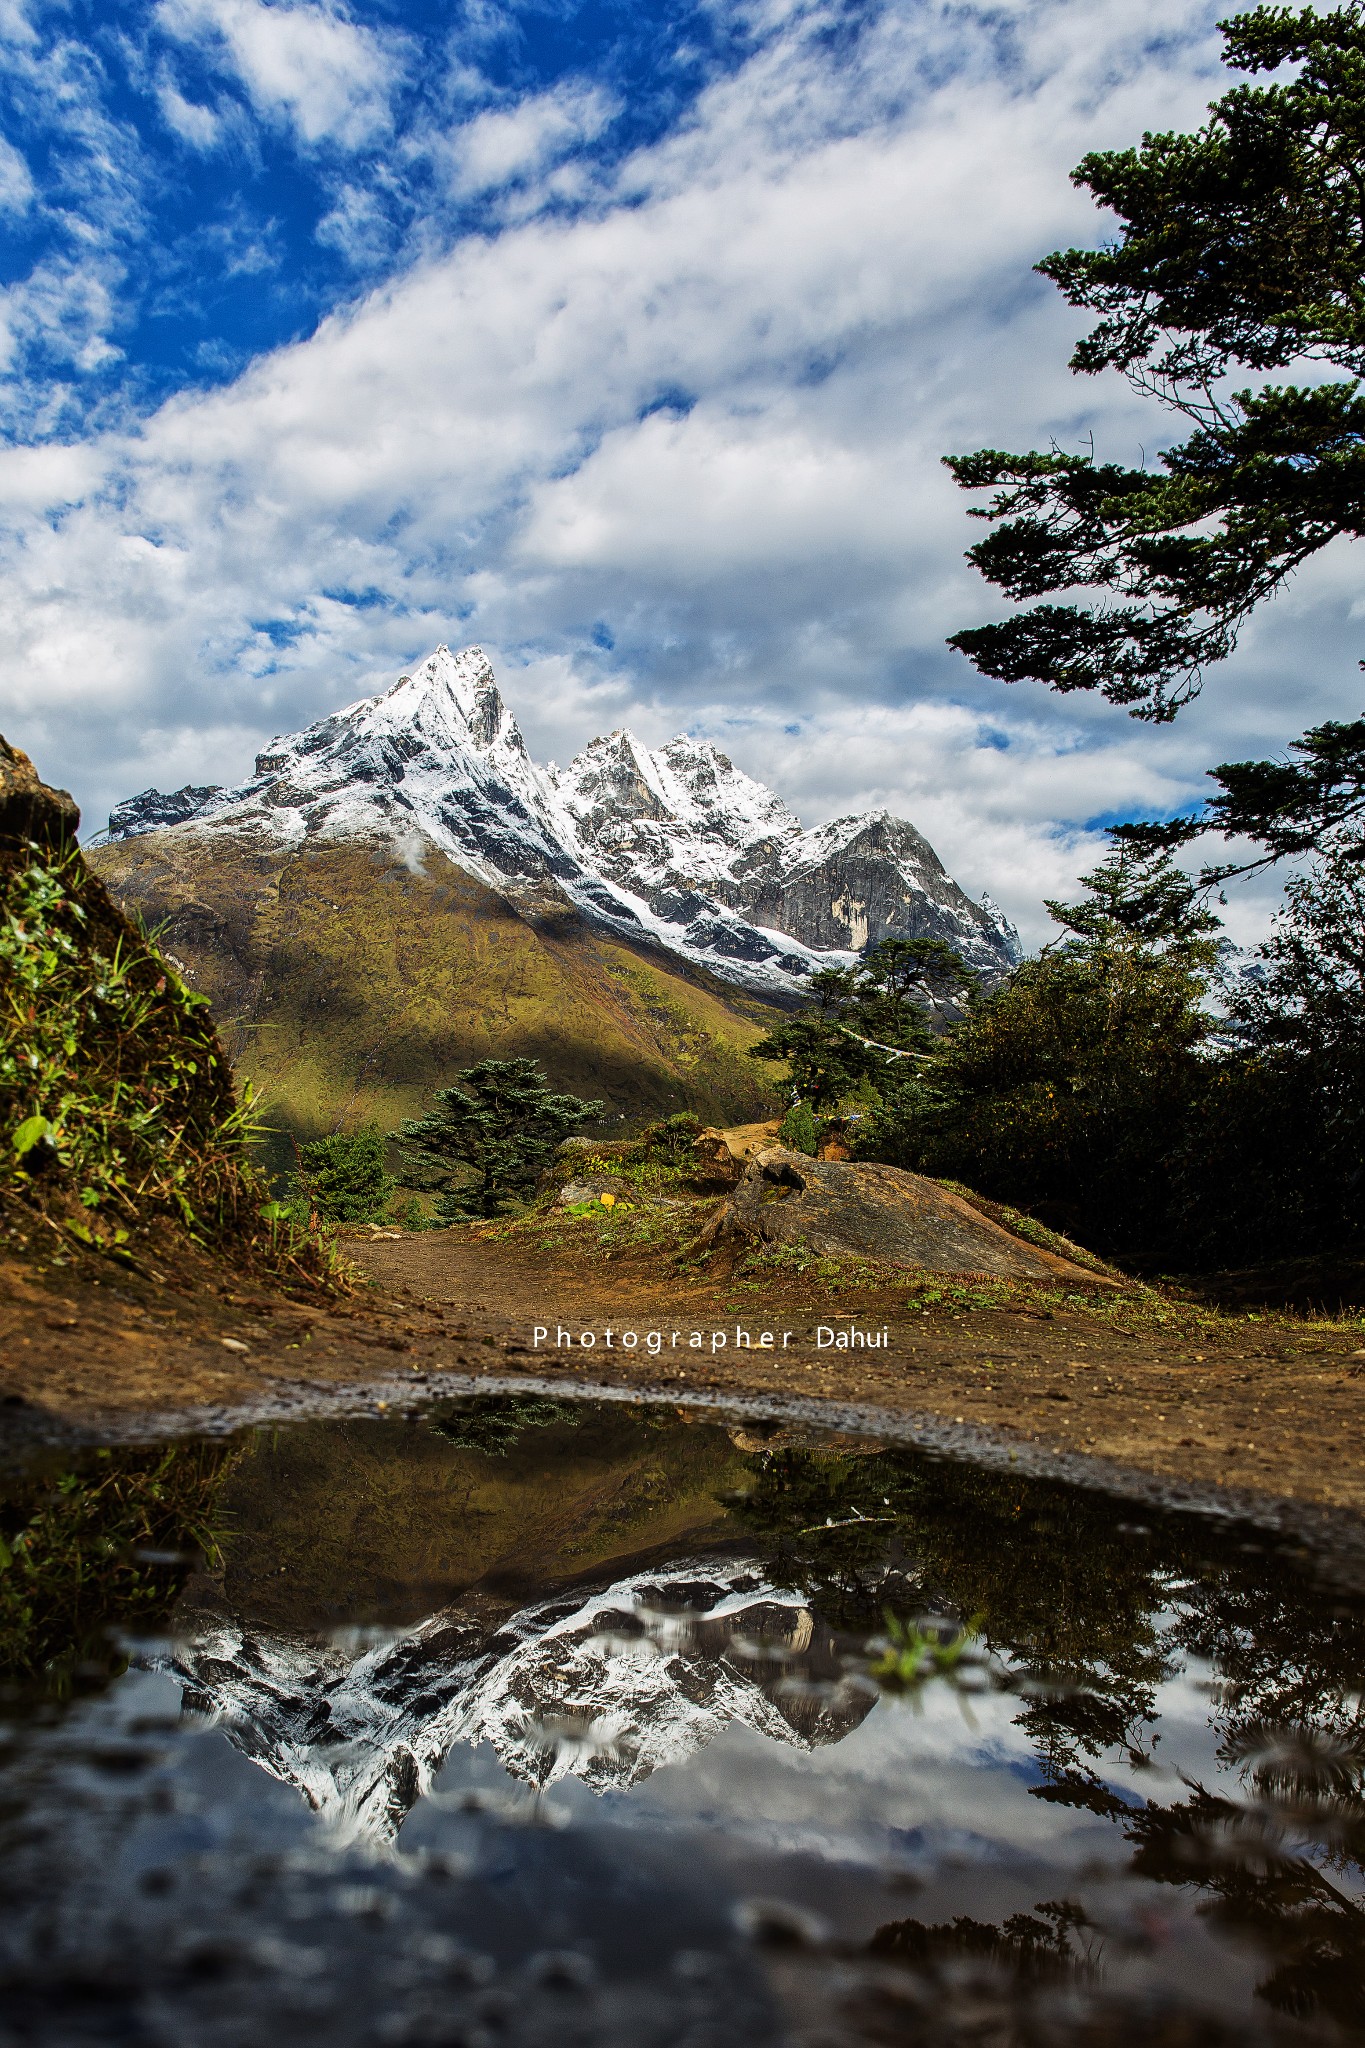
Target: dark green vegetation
x=342 y=1178
x=117 y=1106
x=1126 y=1088
x=350 y=987
x=493 y=1134
x=1239 y=254
x=1071 y=1091
x=101 y=1545
x=861 y=1015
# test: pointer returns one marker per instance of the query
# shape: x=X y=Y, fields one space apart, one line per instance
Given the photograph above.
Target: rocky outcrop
x=150 y=811
x=847 y=1209
x=861 y=879
x=30 y=810
x=674 y=848
x=722 y=1155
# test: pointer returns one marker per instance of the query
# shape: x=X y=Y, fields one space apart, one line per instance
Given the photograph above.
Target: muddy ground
x=1261 y=1403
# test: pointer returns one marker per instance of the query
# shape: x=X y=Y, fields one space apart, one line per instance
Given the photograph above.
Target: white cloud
x=195 y=124
x=706 y=413
x=500 y=145
x=16 y=182
x=308 y=63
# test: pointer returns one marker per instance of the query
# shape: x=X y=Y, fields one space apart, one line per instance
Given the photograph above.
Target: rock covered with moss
x=115 y=1096
x=853 y=1209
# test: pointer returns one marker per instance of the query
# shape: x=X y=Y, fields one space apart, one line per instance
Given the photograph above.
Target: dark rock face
x=879 y=879
x=29 y=808
x=848 y=1209
x=146 y=813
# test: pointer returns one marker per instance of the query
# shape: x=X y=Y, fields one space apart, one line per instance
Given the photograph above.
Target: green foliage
x=342 y=1178
x=862 y=1017
x=494 y=1133
x=1309 y=805
x=1071 y=1088
x=1098 y=1090
x=799 y=1130
x=914 y=1652
x=669 y=1141
x=1273 y=1161
x=111 y=1078
x=493 y=1424
x=1238 y=252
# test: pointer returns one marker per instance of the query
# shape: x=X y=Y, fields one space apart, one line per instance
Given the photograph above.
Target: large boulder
x=853 y=1209
x=29 y=809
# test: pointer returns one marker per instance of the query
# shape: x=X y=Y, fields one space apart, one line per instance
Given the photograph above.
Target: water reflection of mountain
x=607 y=1686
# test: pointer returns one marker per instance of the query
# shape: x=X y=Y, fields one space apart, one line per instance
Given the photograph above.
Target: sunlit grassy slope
x=348 y=985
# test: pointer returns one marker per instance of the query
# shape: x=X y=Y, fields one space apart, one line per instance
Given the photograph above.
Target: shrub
x=112 y=1081
x=800 y=1130
x=670 y=1141
x=342 y=1178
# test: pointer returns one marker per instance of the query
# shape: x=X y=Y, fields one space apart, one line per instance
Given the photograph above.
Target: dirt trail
x=1271 y=1406
x=1278 y=1409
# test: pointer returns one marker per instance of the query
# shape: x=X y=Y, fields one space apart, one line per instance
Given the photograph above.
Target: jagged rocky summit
x=674 y=847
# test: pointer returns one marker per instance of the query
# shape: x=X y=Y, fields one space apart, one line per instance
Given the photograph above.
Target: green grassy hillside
x=348 y=986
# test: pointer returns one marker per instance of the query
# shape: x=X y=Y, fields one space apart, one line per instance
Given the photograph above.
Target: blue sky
x=623 y=339
x=200 y=182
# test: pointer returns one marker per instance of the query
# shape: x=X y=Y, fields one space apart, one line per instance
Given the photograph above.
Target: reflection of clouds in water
x=940 y=1776
x=689 y=1698
x=907 y=1782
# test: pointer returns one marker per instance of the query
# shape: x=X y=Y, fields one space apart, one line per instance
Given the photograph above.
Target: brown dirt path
x=1271 y=1405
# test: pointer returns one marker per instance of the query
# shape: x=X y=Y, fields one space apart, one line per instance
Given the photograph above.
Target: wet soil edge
x=1332 y=1538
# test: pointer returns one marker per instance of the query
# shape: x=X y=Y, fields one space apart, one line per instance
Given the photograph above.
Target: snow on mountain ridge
x=607 y=1687
x=675 y=847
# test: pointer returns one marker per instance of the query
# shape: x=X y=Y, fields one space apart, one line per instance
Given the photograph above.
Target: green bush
x=342 y=1178
x=799 y=1129
x=669 y=1142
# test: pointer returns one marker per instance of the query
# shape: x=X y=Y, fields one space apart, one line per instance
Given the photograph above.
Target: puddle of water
x=532 y=1722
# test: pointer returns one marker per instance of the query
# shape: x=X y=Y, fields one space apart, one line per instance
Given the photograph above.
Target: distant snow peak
x=674 y=847
x=462 y=684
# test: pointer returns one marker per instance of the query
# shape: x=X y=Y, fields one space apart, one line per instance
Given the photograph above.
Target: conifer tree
x=343 y=1178
x=1238 y=255
x=490 y=1136
x=861 y=1017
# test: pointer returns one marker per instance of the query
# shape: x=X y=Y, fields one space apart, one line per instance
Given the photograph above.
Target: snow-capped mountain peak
x=453 y=698
x=675 y=848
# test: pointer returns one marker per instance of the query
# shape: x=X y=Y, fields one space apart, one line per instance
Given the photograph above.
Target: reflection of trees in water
x=1028 y=1946
x=492 y=1424
x=99 y=1543
x=1091 y=1613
